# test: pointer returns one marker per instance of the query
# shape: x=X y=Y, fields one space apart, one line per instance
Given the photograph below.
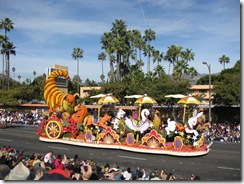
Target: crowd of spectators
x=16 y=165
x=224 y=132
x=8 y=118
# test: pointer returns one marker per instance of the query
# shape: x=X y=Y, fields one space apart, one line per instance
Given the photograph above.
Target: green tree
x=227 y=88
x=157 y=56
x=181 y=67
x=137 y=42
x=193 y=73
x=19 y=77
x=149 y=35
x=72 y=85
x=188 y=55
x=106 y=40
x=172 y=55
x=34 y=73
x=77 y=54
x=9 y=49
x=7 y=25
x=119 y=34
x=13 y=70
x=139 y=64
x=227 y=91
x=102 y=57
x=223 y=60
x=3 y=40
x=159 y=71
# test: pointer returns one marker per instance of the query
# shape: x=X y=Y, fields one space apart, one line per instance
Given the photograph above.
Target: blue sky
x=46 y=31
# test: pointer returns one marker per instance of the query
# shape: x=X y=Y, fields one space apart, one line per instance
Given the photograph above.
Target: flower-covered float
x=71 y=123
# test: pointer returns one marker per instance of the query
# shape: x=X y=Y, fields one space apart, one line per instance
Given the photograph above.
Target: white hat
x=19 y=172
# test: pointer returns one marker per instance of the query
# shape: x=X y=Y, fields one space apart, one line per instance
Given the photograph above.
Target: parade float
x=70 y=123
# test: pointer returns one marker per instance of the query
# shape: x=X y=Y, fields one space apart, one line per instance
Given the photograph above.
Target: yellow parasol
x=144 y=100
x=175 y=96
x=186 y=101
x=107 y=99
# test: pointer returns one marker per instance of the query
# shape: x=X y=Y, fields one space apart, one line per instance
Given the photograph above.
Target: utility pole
x=209 y=81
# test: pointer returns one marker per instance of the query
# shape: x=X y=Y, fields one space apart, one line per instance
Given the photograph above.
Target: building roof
x=200 y=87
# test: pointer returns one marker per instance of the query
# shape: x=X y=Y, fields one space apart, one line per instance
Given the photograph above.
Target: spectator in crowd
x=49 y=159
x=4 y=171
x=127 y=174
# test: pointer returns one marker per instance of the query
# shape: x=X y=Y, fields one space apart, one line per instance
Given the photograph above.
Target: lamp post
x=209 y=81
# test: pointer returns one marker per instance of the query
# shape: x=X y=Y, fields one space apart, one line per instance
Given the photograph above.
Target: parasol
x=175 y=96
x=144 y=100
x=98 y=96
x=133 y=96
x=107 y=99
x=186 y=101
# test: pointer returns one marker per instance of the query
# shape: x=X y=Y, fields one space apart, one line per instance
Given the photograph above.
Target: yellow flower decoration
x=188 y=137
x=181 y=134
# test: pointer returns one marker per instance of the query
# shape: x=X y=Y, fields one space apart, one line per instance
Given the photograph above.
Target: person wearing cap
x=49 y=159
x=39 y=169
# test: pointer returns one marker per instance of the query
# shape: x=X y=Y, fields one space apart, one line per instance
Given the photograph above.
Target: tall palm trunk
x=148 y=57
x=3 y=73
x=111 y=69
x=78 y=76
x=102 y=68
x=169 y=68
x=118 y=67
x=7 y=69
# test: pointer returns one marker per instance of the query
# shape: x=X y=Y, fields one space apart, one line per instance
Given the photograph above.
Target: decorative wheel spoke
x=54 y=129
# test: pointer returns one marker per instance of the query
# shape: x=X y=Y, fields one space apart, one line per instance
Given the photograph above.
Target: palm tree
x=193 y=73
x=34 y=73
x=102 y=57
x=157 y=56
x=149 y=36
x=77 y=53
x=7 y=25
x=3 y=40
x=19 y=77
x=159 y=70
x=180 y=68
x=9 y=49
x=13 y=70
x=223 y=60
x=106 y=40
x=27 y=81
x=140 y=64
x=119 y=44
x=172 y=55
x=187 y=55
